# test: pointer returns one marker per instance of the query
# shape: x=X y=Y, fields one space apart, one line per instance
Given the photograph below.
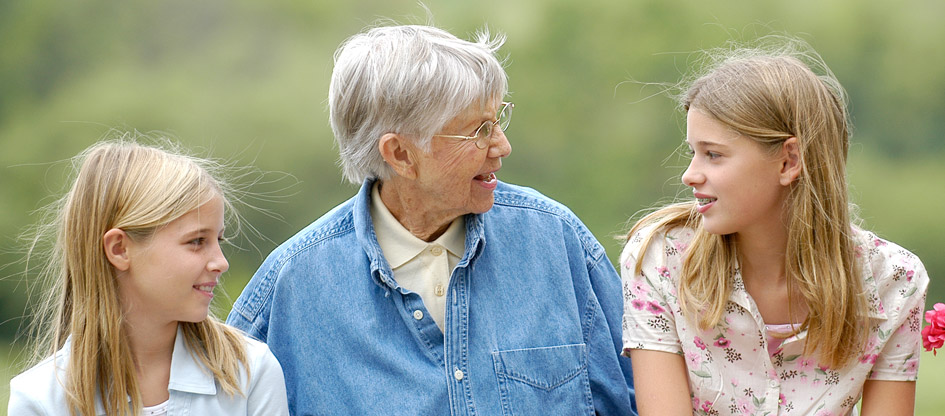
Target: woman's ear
x=791 y=161
x=398 y=154
x=115 y=242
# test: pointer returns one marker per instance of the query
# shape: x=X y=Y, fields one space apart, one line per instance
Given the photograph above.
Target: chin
x=483 y=207
x=715 y=229
x=196 y=318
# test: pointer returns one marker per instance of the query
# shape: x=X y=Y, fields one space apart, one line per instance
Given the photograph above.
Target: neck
x=152 y=344
x=761 y=256
x=412 y=212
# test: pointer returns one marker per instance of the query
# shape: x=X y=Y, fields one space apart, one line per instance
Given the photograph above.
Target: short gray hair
x=409 y=80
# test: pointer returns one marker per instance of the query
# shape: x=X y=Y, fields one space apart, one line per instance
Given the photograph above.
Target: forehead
x=704 y=129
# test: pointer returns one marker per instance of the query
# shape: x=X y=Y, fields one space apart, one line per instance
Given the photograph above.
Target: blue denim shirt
x=533 y=319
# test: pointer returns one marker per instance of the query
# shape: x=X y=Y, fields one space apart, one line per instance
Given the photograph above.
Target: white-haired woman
x=437 y=289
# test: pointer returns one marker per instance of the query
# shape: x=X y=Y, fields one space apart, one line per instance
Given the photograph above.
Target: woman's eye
x=712 y=155
x=197 y=241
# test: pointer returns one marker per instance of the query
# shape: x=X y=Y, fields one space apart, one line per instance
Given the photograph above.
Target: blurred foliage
x=247 y=81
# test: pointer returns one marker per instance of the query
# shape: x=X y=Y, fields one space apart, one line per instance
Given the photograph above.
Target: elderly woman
x=437 y=289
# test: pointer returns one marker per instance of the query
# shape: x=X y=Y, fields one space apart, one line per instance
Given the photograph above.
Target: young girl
x=760 y=296
x=136 y=259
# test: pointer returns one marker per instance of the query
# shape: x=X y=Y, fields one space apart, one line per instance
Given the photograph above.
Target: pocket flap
x=545 y=367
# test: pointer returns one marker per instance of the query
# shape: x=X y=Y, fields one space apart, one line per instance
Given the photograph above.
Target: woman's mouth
x=487 y=178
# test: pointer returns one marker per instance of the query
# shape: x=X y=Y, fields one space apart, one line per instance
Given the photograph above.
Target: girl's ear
x=398 y=154
x=791 y=162
x=115 y=242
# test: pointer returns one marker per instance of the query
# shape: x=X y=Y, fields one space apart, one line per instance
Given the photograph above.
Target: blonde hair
x=769 y=95
x=136 y=188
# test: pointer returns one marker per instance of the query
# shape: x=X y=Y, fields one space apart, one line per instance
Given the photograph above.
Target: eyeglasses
x=483 y=134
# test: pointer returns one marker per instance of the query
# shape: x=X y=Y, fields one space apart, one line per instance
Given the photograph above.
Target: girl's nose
x=692 y=177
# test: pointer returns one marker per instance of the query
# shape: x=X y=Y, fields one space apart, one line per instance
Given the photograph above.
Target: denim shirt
x=532 y=326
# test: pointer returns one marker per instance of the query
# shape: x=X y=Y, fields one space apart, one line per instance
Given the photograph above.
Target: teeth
x=205 y=288
x=704 y=201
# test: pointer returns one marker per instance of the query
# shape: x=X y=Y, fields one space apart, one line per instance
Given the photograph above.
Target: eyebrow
x=200 y=231
x=701 y=142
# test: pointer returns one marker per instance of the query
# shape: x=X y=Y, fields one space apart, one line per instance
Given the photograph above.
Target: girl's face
x=738 y=186
x=171 y=276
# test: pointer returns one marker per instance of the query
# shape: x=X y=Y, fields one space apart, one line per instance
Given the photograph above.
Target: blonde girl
x=127 y=330
x=759 y=295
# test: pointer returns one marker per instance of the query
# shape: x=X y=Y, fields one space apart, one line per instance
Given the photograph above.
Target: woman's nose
x=499 y=145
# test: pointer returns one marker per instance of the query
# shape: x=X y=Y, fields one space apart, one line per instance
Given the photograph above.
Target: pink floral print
x=730 y=369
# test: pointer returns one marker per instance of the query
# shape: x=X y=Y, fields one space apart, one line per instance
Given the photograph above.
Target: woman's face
x=737 y=185
x=456 y=177
x=172 y=274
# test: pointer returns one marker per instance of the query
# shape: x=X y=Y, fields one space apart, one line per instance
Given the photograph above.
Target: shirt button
x=773 y=383
x=436 y=251
x=439 y=290
x=418 y=314
x=458 y=374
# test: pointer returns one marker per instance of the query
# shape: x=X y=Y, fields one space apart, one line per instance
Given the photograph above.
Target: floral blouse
x=732 y=372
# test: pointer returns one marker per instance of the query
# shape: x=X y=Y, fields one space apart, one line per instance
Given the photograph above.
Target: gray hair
x=409 y=80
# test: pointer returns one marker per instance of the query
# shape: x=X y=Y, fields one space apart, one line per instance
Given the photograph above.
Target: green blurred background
x=247 y=81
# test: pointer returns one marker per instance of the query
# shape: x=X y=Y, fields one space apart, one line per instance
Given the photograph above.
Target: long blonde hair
x=770 y=95
x=136 y=188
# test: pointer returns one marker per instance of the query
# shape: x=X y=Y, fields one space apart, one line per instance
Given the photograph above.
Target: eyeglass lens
x=485 y=130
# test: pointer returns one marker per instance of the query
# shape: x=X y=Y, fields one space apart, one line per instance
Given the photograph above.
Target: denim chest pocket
x=544 y=381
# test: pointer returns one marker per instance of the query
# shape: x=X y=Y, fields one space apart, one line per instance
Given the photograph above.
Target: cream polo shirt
x=420 y=267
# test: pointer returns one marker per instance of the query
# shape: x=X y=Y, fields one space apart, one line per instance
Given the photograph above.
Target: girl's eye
x=712 y=155
x=197 y=241
x=689 y=152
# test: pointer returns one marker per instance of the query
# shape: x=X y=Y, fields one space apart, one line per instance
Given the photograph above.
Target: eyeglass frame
x=483 y=142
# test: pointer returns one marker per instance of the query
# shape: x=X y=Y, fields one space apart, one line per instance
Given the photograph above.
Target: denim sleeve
x=250 y=312
x=610 y=373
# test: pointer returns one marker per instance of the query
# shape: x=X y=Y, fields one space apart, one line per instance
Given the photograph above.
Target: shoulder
x=528 y=209
x=884 y=260
x=265 y=372
x=653 y=243
x=336 y=223
x=40 y=386
x=259 y=356
x=516 y=196
x=892 y=274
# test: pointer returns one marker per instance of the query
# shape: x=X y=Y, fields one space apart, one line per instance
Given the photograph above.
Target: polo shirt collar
x=399 y=245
